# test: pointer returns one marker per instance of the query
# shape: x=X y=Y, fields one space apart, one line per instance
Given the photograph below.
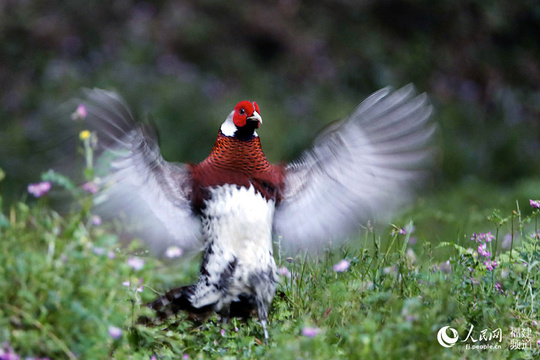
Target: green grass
x=61 y=289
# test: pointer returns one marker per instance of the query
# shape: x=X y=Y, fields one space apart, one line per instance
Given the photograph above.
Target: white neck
x=228 y=128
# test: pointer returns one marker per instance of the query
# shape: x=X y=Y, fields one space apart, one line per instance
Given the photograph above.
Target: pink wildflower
x=173 y=252
x=80 y=113
x=138 y=289
x=488 y=237
x=39 y=189
x=115 y=332
x=310 y=331
x=482 y=250
x=136 y=263
x=7 y=353
x=535 y=204
x=283 y=271
x=490 y=265
x=91 y=187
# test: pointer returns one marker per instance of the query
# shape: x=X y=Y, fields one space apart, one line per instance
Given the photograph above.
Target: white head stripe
x=228 y=128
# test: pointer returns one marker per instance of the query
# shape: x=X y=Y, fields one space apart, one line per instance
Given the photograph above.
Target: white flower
x=342 y=266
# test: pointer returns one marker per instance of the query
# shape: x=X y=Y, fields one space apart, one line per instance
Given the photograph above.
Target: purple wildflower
x=96 y=220
x=402 y=231
x=482 y=237
x=7 y=353
x=91 y=187
x=185 y=356
x=499 y=288
x=80 y=113
x=445 y=267
x=39 y=189
x=535 y=204
x=115 y=332
x=136 y=263
x=310 y=331
x=222 y=332
x=98 y=250
x=173 y=252
x=342 y=266
x=490 y=265
x=111 y=255
x=482 y=250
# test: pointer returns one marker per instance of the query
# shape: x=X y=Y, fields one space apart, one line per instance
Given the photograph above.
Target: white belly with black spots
x=240 y=219
x=237 y=226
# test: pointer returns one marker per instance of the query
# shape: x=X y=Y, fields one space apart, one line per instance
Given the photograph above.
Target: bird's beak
x=255 y=117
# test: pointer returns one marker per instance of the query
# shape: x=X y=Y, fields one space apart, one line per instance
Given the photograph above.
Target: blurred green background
x=306 y=63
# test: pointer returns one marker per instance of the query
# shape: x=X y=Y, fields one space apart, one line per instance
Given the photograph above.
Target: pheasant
x=232 y=204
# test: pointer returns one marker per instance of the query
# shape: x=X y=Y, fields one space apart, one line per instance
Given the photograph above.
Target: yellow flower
x=85 y=134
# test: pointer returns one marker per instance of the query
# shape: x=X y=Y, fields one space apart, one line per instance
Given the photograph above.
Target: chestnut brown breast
x=239 y=162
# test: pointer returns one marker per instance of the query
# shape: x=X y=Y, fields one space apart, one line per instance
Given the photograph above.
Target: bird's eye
x=242 y=111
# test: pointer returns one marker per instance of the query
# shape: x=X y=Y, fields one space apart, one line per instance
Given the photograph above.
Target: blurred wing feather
x=366 y=165
x=138 y=181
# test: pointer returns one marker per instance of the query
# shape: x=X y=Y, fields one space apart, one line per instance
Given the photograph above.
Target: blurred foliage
x=306 y=63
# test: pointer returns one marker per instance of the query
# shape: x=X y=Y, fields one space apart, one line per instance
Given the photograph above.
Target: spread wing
x=137 y=180
x=366 y=165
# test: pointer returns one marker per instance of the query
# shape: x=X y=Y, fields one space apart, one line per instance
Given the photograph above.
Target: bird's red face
x=246 y=111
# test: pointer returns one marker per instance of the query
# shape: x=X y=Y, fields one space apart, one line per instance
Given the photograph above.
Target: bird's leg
x=262 y=308
x=225 y=314
x=263 y=323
